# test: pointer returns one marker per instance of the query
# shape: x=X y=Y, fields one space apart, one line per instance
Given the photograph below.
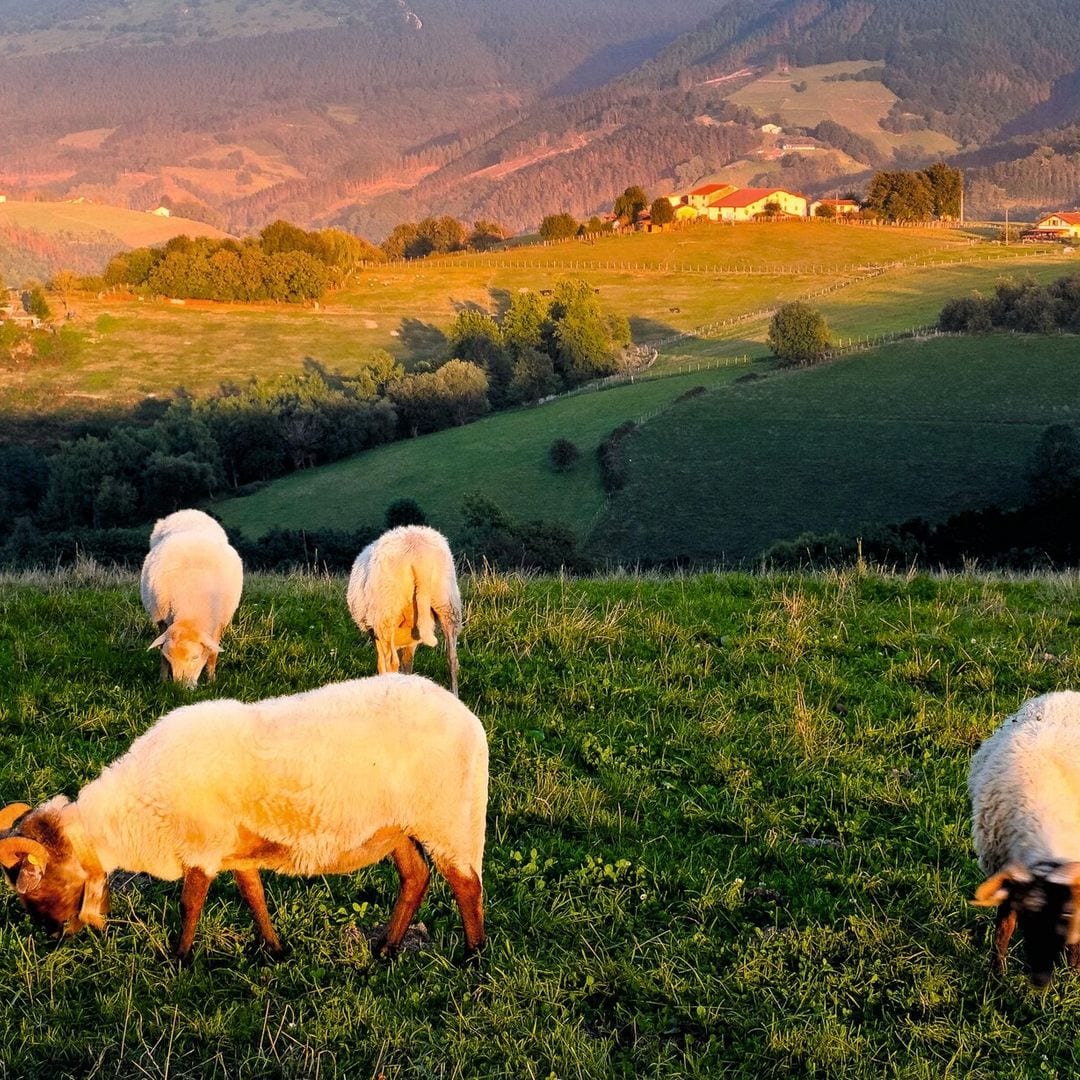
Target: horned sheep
x=1024 y=784
x=191 y=584
x=323 y=782
x=399 y=585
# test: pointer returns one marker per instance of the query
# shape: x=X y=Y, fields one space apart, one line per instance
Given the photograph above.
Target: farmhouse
x=839 y=207
x=745 y=204
x=1061 y=225
x=703 y=197
x=160 y=211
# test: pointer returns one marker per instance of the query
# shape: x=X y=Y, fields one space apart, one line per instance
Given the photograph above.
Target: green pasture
x=124 y=349
x=911 y=429
x=858 y=106
x=505 y=456
x=728 y=836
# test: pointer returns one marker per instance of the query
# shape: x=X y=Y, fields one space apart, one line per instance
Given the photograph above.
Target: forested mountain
x=371 y=112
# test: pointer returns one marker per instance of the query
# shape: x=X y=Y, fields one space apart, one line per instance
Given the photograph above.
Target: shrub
x=613 y=466
x=563 y=455
x=404 y=512
x=798 y=335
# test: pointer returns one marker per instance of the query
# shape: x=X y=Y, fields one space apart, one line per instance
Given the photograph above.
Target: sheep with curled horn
x=323 y=782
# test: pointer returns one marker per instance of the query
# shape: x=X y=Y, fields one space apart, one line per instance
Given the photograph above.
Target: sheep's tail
x=423 y=616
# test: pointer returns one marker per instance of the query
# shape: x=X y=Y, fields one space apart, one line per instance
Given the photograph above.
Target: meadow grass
x=912 y=429
x=664 y=284
x=505 y=456
x=727 y=836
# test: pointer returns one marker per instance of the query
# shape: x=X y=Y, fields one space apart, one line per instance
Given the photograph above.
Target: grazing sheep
x=191 y=584
x=1025 y=800
x=184 y=521
x=323 y=782
x=397 y=587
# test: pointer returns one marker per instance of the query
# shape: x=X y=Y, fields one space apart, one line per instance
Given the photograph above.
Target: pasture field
x=911 y=429
x=858 y=106
x=505 y=456
x=125 y=349
x=728 y=835
x=917 y=428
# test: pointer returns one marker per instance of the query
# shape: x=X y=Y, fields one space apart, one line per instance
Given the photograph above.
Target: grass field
x=665 y=284
x=912 y=429
x=727 y=836
x=858 y=106
x=505 y=456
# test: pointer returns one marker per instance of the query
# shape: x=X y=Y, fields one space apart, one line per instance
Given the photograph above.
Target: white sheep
x=323 y=782
x=184 y=521
x=1025 y=800
x=191 y=584
x=399 y=584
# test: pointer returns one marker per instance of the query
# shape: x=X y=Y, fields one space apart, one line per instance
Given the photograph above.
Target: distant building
x=771 y=129
x=840 y=207
x=745 y=204
x=1062 y=225
x=161 y=211
x=703 y=197
x=3 y=198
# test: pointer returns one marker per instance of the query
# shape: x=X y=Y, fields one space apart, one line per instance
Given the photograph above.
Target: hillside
x=727 y=836
x=665 y=284
x=39 y=238
x=250 y=111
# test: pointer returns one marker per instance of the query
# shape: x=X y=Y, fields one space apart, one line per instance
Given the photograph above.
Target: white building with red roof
x=745 y=204
x=1061 y=225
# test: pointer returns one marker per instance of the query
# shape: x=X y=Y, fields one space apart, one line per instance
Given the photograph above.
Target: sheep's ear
x=10 y=814
x=95 y=902
x=158 y=641
x=994 y=889
x=208 y=642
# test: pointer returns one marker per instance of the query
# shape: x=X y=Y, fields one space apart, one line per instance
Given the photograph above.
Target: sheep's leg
x=251 y=889
x=192 y=898
x=211 y=665
x=414 y=882
x=1072 y=954
x=166 y=667
x=469 y=894
x=407 y=652
x=1004 y=925
x=387 y=654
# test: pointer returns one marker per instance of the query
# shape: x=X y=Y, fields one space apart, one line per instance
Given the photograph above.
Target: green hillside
x=727 y=837
x=504 y=456
x=913 y=429
x=664 y=283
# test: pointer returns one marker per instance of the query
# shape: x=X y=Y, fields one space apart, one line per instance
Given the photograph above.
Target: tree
x=1054 y=467
x=404 y=512
x=563 y=455
x=900 y=196
x=825 y=211
x=798 y=335
x=946 y=187
x=64 y=283
x=661 y=212
x=558 y=227
x=36 y=303
x=630 y=203
x=486 y=235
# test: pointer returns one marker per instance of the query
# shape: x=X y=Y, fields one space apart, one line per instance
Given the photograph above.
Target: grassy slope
x=505 y=456
x=858 y=106
x=909 y=430
x=145 y=348
x=728 y=836
x=130 y=228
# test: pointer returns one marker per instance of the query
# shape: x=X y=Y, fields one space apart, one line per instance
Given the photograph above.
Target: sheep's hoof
x=473 y=956
x=181 y=960
x=385 y=950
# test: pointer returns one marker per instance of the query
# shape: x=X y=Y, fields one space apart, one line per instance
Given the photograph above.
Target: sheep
x=397 y=584
x=1024 y=785
x=323 y=782
x=191 y=584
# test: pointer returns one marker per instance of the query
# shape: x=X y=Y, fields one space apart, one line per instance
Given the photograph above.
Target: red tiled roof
x=708 y=189
x=1070 y=218
x=749 y=195
x=838 y=202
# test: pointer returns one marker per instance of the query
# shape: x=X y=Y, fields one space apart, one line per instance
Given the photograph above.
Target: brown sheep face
x=40 y=864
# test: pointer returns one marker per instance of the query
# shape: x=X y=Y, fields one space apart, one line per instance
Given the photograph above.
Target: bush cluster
x=1023 y=305
x=614 y=468
x=494 y=537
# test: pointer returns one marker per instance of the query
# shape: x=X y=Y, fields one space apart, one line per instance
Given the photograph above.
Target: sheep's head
x=1046 y=899
x=39 y=861
x=187 y=650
